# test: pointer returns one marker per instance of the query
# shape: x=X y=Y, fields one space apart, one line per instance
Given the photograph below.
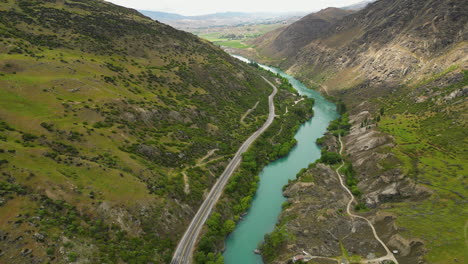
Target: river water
x=266 y=205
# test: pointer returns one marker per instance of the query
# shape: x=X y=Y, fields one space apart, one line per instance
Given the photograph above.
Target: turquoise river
x=266 y=205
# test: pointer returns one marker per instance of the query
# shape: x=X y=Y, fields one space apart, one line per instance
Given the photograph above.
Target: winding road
x=184 y=250
x=389 y=255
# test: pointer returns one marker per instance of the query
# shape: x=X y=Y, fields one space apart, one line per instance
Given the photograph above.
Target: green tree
x=229 y=226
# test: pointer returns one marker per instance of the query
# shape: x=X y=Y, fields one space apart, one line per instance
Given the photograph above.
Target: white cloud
x=198 y=7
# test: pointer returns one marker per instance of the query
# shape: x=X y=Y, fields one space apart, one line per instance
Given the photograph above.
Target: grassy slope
x=104 y=111
x=430 y=139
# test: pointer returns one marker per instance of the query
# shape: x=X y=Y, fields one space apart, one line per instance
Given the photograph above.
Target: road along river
x=266 y=205
x=184 y=250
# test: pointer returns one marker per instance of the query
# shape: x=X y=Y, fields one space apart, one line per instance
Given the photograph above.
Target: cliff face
x=287 y=41
x=388 y=42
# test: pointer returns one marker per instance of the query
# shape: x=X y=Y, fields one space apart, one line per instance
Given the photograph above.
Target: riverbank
x=237 y=197
x=268 y=200
x=316 y=216
x=408 y=150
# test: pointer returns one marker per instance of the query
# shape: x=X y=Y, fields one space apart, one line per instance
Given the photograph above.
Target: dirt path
x=209 y=154
x=389 y=255
x=325 y=88
x=186 y=183
x=248 y=112
x=200 y=162
x=300 y=100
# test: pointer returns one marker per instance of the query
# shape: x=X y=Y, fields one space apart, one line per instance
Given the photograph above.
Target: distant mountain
x=223 y=15
x=218 y=19
x=162 y=16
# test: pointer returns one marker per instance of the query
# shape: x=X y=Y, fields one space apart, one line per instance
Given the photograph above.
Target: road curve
x=389 y=255
x=184 y=250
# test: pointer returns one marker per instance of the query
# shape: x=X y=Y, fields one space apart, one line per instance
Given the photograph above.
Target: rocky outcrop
x=317 y=208
x=287 y=41
x=319 y=221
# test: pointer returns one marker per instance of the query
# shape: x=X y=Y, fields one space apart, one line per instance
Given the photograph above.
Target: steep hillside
x=401 y=69
x=406 y=165
x=287 y=41
x=388 y=42
x=112 y=128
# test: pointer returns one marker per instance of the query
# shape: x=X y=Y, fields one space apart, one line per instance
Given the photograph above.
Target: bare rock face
x=364 y=147
x=305 y=30
x=129 y=117
x=408 y=250
x=317 y=212
x=176 y=116
x=456 y=93
x=389 y=193
x=26 y=252
x=149 y=151
x=319 y=221
x=388 y=43
x=120 y=217
x=364 y=139
x=39 y=237
x=403 y=245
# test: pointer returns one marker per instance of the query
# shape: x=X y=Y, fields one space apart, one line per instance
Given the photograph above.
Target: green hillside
x=429 y=123
x=112 y=127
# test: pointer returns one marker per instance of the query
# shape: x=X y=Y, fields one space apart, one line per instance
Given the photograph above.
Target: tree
x=341 y=107
x=229 y=226
x=330 y=157
x=214 y=222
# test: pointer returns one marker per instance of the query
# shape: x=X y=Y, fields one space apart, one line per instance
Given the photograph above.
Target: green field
x=224 y=36
x=238 y=44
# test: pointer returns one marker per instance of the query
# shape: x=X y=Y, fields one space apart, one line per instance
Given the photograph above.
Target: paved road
x=389 y=255
x=184 y=250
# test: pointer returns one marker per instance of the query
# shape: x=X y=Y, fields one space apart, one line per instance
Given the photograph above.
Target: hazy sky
x=198 y=7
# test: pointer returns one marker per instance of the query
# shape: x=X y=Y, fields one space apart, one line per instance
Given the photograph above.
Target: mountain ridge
x=297 y=35
x=219 y=19
x=356 y=41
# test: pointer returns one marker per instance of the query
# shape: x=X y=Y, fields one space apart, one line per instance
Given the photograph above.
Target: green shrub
x=28 y=137
x=330 y=157
x=100 y=124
